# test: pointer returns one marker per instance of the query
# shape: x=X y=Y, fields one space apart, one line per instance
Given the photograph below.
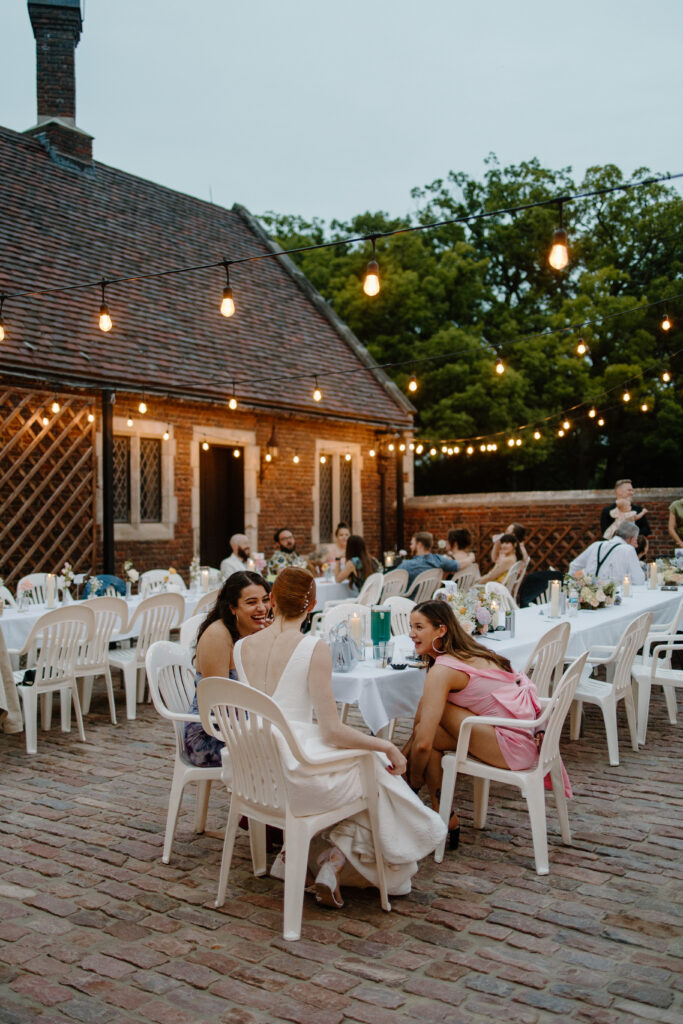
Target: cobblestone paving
x=94 y=928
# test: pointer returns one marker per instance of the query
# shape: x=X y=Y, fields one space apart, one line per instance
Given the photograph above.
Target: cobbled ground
x=94 y=928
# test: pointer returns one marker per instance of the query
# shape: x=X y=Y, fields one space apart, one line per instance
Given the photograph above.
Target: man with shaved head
x=239 y=560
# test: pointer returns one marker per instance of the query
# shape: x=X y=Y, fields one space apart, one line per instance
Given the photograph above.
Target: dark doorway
x=221 y=501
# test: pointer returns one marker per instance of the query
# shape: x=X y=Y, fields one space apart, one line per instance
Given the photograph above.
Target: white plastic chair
x=371 y=589
x=171 y=683
x=607 y=694
x=6 y=598
x=506 y=601
x=394 y=584
x=517 y=585
x=660 y=632
x=466 y=578
x=513 y=574
x=256 y=735
x=189 y=630
x=530 y=780
x=546 y=662
x=424 y=585
x=158 y=581
x=111 y=613
x=206 y=602
x=37 y=593
x=657 y=672
x=333 y=616
x=51 y=649
x=401 y=607
x=153 y=619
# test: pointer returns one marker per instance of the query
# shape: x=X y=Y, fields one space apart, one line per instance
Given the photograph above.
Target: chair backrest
x=630 y=642
x=156 y=581
x=425 y=584
x=516 y=586
x=153 y=619
x=503 y=596
x=36 y=593
x=250 y=724
x=6 y=597
x=401 y=608
x=465 y=578
x=371 y=589
x=557 y=712
x=546 y=661
x=170 y=675
x=339 y=612
x=54 y=641
x=189 y=630
x=393 y=584
x=206 y=602
x=513 y=574
x=110 y=613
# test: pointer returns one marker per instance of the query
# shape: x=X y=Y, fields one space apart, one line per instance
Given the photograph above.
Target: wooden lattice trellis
x=550 y=545
x=47 y=483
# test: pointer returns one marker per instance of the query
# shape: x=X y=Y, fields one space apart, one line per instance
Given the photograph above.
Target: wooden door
x=221 y=501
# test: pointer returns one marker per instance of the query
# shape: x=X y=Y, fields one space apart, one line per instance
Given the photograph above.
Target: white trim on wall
x=337 y=450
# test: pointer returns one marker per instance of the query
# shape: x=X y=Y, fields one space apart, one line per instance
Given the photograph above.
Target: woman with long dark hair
x=241 y=608
x=509 y=552
x=464 y=679
x=359 y=564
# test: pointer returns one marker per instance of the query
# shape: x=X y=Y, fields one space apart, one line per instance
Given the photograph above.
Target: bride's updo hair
x=293 y=591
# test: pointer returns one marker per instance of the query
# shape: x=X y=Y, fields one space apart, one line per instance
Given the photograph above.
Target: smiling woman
x=242 y=608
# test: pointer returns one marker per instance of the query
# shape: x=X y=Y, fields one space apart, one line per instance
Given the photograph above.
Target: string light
x=666 y=323
x=91 y=417
x=55 y=407
x=411 y=447
x=166 y=435
x=419 y=449
x=2 y=323
x=566 y=425
x=232 y=404
x=483 y=447
x=626 y=397
x=317 y=393
x=592 y=412
x=295 y=460
x=142 y=408
x=456 y=450
x=347 y=457
x=401 y=448
x=644 y=407
x=450 y=451
x=268 y=457
x=371 y=285
x=372 y=453
x=323 y=458
x=601 y=422
x=432 y=451
x=205 y=446
x=470 y=450
x=581 y=348
x=129 y=421
x=559 y=252
x=106 y=322
x=392 y=447
x=518 y=442
x=666 y=377
x=227 y=302
x=236 y=453
x=537 y=435
x=45 y=421
x=500 y=367
x=412 y=384
x=560 y=433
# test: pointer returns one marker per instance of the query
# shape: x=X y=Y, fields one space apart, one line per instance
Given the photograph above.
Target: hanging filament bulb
x=232 y=404
x=456 y=450
x=412 y=384
x=142 y=408
x=558 y=257
x=500 y=367
x=666 y=377
x=106 y=322
x=518 y=442
x=166 y=435
x=295 y=460
x=419 y=449
x=401 y=448
x=55 y=407
x=236 y=453
x=2 y=325
x=444 y=448
x=347 y=457
x=45 y=421
x=372 y=454
x=644 y=407
x=91 y=417
x=511 y=442
x=411 y=447
x=129 y=421
x=666 y=324
x=227 y=302
x=560 y=432
x=470 y=450
x=317 y=393
x=566 y=425
x=592 y=412
x=450 y=451
x=626 y=397
x=205 y=445
x=268 y=457
x=432 y=451
x=392 y=447
x=483 y=448
x=581 y=348
x=371 y=285
x=601 y=422
x=537 y=435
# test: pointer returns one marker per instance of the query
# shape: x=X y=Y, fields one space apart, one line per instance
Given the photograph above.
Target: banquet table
x=328 y=590
x=380 y=693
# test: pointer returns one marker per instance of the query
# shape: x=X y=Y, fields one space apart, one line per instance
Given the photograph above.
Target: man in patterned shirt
x=285 y=553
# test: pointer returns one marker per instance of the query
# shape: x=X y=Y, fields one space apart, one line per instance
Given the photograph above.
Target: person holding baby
x=623 y=510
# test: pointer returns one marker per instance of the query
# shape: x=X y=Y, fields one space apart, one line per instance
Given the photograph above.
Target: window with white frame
x=337 y=493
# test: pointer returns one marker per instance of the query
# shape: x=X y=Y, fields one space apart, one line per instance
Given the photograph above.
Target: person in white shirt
x=239 y=560
x=613 y=559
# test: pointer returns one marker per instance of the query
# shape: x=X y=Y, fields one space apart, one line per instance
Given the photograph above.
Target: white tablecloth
x=328 y=590
x=380 y=693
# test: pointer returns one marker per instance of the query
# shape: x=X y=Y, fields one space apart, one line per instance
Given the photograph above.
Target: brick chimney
x=57 y=28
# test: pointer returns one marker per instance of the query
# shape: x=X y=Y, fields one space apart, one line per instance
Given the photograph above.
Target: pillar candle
x=495 y=615
x=555 y=599
x=205 y=581
x=653 y=575
x=356 y=628
x=627 y=586
x=50 y=588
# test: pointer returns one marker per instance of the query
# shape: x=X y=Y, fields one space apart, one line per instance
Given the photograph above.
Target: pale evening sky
x=332 y=109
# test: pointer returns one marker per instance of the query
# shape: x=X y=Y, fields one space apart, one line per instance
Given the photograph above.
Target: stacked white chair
x=152 y=620
x=51 y=650
x=253 y=727
x=111 y=614
x=394 y=584
x=529 y=781
x=171 y=683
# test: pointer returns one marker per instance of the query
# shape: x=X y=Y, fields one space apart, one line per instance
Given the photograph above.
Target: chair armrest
x=180 y=716
x=336 y=760
x=522 y=724
x=601 y=655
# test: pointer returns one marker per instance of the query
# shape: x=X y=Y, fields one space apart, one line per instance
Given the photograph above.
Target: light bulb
x=666 y=377
x=419 y=449
x=644 y=407
x=55 y=407
x=470 y=450
x=412 y=384
x=592 y=412
x=500 y=367
x=392 y=447
x=166 y=435
x=560 y=433
x=227 y=302
x=444 y=448
x=232 y=404
x=236 y=453
x=295 y=460
x=432 y=451
x=537 y=435
x=581 y=348
x=269 y=457
x=626 y=397
x=2 y=330
x=450 y=451
x=371 y=283
x=347 y=457
x=518 y=442
x=559 y=253
x=91 y=417
x=205 y=445
x=323 y=458
x=45 y=421
x=456 y=450
x=106 y=323
x=129 y=421
x=401 y=448
x=601 y=422
x=317 y=393
x=411 y=447
x=142 y=408
x=483 y=448
x=494 y=447
x=666 y=324
x=566 y=425
x=511 y=442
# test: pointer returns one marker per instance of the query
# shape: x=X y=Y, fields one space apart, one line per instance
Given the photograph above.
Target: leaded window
x=121 y=481
x=150 y=480
x=346 y=491
x=325 y=501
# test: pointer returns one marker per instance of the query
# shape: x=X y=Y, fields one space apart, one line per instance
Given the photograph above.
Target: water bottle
x=510 y=623
x=573 y=604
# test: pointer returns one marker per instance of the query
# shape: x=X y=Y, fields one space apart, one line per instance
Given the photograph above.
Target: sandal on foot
x=326 y=887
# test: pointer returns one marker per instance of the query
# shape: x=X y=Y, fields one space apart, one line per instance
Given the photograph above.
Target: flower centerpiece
x=132 y=576
x=593 y=592
x=25 y=593
x=472 y=610
x=194 y=572
x=670 y=571
x=66 y=577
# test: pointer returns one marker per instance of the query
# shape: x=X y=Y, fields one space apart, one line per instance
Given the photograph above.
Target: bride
x=296 y=671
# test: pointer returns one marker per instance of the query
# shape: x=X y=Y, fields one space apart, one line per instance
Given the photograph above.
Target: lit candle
x=495 y=616
x=50 y=588
x=555 y=599
x=205 y=581
x=251 y=564
x=627 y=586
x=653 y=575
x=356 y=628
x=389 y=559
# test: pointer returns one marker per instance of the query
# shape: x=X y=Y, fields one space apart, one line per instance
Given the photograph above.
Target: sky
x=333 y=109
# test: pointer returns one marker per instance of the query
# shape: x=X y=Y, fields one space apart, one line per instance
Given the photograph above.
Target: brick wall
x=559 y=524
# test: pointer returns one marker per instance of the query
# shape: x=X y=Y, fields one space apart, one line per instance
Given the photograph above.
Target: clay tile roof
x=60 y=225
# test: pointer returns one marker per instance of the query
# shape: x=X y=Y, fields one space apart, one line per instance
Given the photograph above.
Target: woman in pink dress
x=464 y=679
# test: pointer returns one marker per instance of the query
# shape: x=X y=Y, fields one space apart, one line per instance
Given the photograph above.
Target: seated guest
x=642 y=544
x=612 y=559
x=239 y=560
x=422 y=557
x=519 y=532
x=464 y=679
x=509 y=552
x=338 y=550
x=242 y=608
x=359 y=564
x=675 y=523
x=623 y=489
x=285 y=554
x=459 y=543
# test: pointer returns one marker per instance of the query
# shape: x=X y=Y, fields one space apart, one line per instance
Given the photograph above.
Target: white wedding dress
x=408 y=829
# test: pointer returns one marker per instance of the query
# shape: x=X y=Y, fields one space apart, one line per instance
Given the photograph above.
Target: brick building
x=88 y=477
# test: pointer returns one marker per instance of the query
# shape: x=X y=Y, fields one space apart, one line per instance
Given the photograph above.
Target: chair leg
x=141 y=683
x=670 y=698
x=343 y=713
x=370 y=786
x=129 y=673
x=535 y=801
x=481 y=801
x=85 y=685
x=609 y=714
x=65 y=709
x=228 y=844
x=110 y=694
x=45 y=711
x=296 y=861
x=631 y=717
x=561 y=803
x=174 y=802
x=575 y=719
x=79 y=713
x=29 y=699
x=257 y=842
x=201 y=806
x=446 y=800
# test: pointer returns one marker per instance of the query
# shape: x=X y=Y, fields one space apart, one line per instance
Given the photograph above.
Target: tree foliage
x=457 y=296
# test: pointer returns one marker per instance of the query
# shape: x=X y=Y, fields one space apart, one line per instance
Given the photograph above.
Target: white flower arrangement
x=593 y=592
x=472 y=610
x=131 y=572
x=66 y=577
